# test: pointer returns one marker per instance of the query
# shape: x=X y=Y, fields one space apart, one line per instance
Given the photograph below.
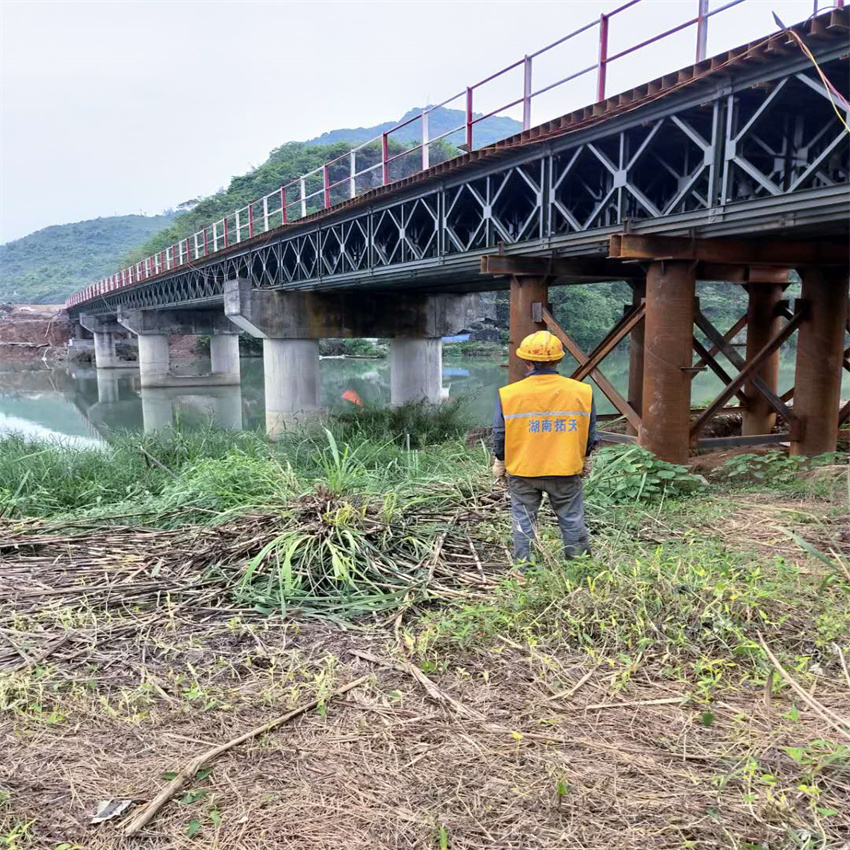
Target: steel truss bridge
x=748 y=143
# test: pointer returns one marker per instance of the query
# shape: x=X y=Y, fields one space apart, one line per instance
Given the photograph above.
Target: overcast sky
x=133 y=106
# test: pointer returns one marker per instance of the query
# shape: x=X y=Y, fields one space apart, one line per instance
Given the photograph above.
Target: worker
x=544 y=428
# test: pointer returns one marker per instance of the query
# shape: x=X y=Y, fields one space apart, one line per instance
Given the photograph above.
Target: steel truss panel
x=765 y=154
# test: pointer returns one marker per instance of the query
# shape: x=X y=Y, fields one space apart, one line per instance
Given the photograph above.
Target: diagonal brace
x=612 y=339
x=753 y=366
x=707 y=358
x=739 y=363
x=602 y=382
x=714 y=350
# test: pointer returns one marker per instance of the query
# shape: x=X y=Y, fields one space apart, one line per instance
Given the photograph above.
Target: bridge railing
x=371 y=163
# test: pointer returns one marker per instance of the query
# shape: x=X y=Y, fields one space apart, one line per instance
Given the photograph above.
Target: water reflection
x=162 y=407
x=84 y=404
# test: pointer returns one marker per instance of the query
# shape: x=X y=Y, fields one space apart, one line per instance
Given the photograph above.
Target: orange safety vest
x=547 y=419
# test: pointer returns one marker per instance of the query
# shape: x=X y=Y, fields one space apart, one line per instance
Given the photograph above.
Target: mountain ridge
x=46 y=266
x=440 y=121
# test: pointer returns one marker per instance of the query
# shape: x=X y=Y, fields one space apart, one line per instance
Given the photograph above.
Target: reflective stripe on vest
x=547 y=419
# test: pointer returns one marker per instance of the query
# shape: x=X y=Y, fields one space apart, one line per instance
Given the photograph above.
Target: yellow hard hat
x=540 y=347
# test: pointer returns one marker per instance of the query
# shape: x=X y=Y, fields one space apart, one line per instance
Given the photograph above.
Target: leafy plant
x=624 y=475
x=773 y=468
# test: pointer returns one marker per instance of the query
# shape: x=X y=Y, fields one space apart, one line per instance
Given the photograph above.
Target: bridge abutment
x=153 y=330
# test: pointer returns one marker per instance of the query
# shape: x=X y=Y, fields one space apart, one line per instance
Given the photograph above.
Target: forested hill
x=48 y=265
x=440 y=121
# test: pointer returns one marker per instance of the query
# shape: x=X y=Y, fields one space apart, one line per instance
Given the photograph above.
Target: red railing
x=291 y=202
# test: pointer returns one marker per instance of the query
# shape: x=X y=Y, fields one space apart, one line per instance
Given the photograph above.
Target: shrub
x=772 y=468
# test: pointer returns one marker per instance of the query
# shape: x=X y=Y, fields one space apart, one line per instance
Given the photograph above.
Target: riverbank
x=32 y=333
x=171 y=592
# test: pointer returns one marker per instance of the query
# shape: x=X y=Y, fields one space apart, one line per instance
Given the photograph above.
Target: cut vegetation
x=319 y=644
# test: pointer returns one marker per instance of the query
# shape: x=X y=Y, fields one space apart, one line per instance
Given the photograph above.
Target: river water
x=81 y=405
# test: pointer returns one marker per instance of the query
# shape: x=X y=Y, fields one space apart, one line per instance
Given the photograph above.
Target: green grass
x=50 y=478
x=370 y=450
x=691 y=602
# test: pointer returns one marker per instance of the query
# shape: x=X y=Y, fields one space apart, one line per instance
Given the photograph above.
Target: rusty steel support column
x=763 y=323
x=670 y=296
x=820 y=355
x=525 y=291
x=636 y=343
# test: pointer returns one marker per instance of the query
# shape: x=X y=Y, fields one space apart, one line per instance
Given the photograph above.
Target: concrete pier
x=154 y=360
x=103 y=329
x=416 y=370
x=153 y=329
x=104 y=350
x=291 y=373
x=291 y=323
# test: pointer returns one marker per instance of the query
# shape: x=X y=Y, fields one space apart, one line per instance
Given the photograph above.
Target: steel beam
x=580 y=269
x=786 y=254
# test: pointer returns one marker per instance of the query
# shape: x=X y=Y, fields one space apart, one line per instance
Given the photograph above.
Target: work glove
x=587 y=468
x=499 y=470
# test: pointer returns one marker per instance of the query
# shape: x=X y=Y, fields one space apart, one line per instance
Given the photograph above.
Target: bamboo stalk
x=191 y=768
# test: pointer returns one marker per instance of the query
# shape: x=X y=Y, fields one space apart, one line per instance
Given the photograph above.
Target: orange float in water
x=351 y=395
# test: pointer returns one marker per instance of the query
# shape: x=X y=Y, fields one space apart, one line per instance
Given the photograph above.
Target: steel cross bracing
x=749 y=156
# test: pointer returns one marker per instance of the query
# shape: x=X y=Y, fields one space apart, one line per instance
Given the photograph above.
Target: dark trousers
x=566 y=499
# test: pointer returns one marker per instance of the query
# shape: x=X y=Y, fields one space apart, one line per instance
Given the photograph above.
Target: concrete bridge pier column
x=291 y=379
x=820 y=360
x=416 y=370
x=669 y=322
x=104 y=350
x=224 y=357
x=154 y=360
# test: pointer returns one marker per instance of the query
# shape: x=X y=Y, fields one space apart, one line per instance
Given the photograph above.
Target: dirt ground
x=32 y=332
x=502 y=745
